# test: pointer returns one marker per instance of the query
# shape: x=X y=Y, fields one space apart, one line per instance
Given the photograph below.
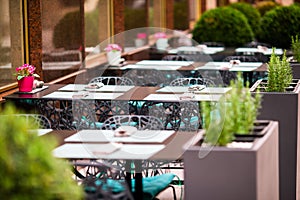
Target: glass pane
x=181 y=20
x=6 y=76
x=62 y=38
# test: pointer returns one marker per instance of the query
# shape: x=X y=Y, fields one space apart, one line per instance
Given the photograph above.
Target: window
x=62 y=38
x=6 y=76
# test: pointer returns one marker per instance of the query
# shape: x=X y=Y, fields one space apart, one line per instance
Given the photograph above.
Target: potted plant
x=280 y=102
x=28 y=168
x=113 y=53
x=295 y=59
x=25 y=77
x=237 y=157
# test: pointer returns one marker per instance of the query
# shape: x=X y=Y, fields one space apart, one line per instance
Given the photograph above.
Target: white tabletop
x=107 y=151
x=164 y=62
x=105 y=88
x=83 y=95
x=154 y=67
x=243 y=66
x=205 y=50
x=140 y=136
x=183 y=97
x=267 y=51
x=184 y=89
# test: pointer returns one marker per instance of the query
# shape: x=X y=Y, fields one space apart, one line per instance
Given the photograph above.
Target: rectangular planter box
x=234 y=173
x=295 y=70
x=284 y=108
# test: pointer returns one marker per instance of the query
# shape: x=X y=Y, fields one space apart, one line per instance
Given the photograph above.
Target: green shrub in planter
x=225 y=25
x=251 y=14
x=234 y=113
x=279 y=24
x=296 y=48
x=279 y=73
x=264 y=6
x=27 y=168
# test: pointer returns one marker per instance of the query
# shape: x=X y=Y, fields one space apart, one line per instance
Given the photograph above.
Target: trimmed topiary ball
x=223 y=24
x=250 y=13
x=264 y=6
x=279 y=25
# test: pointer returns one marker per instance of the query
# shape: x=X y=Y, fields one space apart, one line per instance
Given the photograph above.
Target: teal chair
x=103 y=181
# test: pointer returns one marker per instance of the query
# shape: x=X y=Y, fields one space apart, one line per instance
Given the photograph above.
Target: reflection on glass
x=62 y=38
x=5 y=45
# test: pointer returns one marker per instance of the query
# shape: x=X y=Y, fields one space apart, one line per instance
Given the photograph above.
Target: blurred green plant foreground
x=28 y=169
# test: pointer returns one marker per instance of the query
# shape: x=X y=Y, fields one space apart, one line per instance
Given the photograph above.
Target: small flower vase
x=139 y=42
x=162 y=43
x=26 y=84
x=114 y=57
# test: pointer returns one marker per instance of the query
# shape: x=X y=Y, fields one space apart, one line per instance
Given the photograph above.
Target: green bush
x=279 y=25
x=251 y=14
x=234 y=113
x=264 y=6
x=223 y=24
x=28 y=169
x=279 y=73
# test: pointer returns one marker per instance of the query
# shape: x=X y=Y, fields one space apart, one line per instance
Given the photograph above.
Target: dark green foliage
x=28 y=169
x=233 y=113
x=264 y=6
x=279 y=73
x=296 y=48
x=67 y=32
x=223 y=24
x=251 y=14
x=91 y=28
x=135 y=18
x=181 y=15
x=279 y=25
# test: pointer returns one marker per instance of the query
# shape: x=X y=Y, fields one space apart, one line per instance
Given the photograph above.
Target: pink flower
x=113 y=47
x=25 y=70
x=160 y=35
x=141 y=35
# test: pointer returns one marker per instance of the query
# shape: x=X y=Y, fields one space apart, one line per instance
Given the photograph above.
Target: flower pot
x=139 y=42
x=284 y=107
x=26 y=84
x=162 y=44
x=233 y=172
x=114 y=57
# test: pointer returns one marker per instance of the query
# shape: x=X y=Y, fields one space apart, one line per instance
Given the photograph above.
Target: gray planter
x=295 y=69
x=234 y=173
x=284 y=108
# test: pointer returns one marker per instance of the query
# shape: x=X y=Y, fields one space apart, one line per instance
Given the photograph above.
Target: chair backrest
x=141 y=122
x=250 y=58
x=101 y=181
x=192 y=81
x=84 y=117
x=255 y=44
x=177 y=58
x=112 y=80
x=40 y=120
x=213 y=44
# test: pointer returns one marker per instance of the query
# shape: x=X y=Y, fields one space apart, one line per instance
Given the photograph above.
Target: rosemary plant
x=279 y=73
x=296 y=48
x=234 y=113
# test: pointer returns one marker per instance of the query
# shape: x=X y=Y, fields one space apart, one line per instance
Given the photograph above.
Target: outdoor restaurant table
x=195 y=49
x=251 y=51
x=167 y=148
x=56 y=103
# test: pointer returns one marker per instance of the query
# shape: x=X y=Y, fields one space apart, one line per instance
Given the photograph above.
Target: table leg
x=138 y=180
